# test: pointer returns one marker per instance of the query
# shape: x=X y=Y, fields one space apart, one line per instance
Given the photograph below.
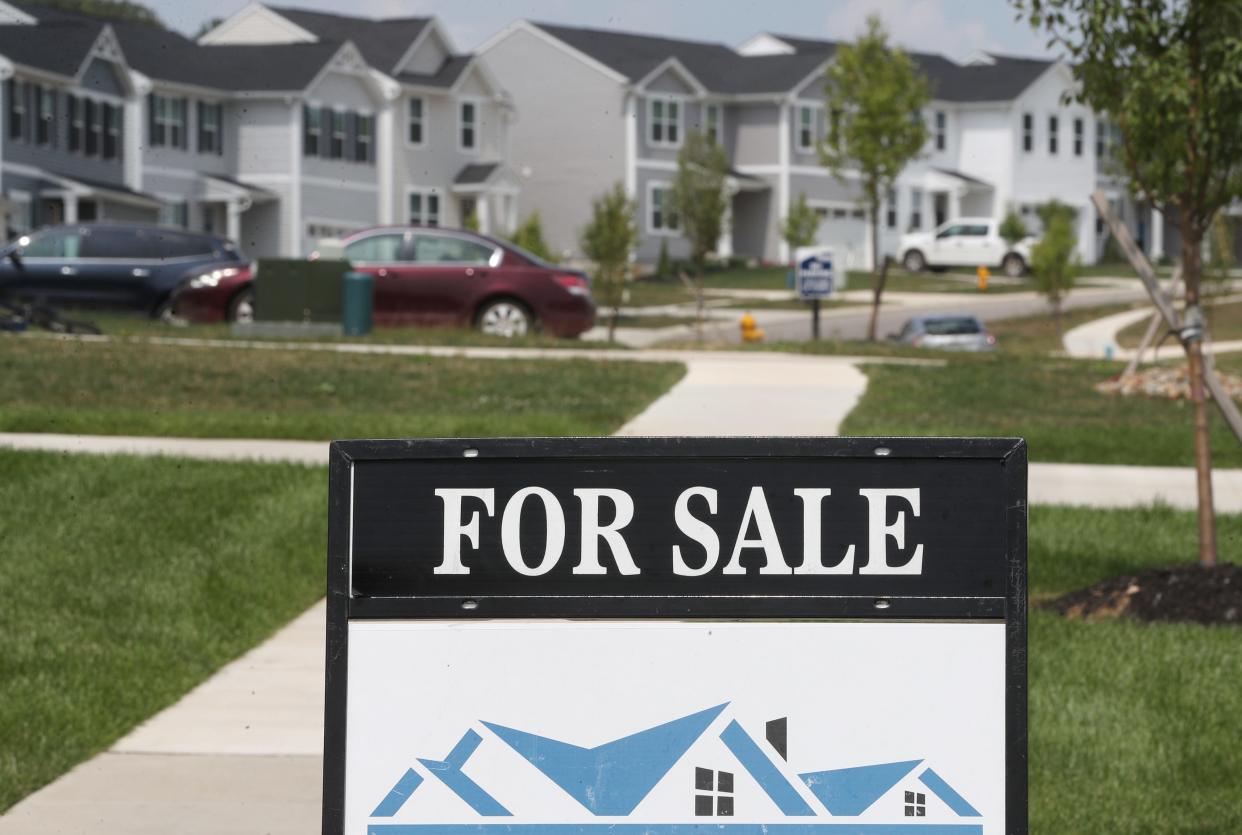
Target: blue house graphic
x=612 y=779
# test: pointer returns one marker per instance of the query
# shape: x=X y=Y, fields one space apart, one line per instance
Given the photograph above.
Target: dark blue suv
x=109 y=265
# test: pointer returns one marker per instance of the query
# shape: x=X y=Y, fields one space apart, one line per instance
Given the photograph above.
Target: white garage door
x=845 y=230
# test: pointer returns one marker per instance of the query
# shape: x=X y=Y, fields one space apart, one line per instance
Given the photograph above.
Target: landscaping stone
x=1168 y=382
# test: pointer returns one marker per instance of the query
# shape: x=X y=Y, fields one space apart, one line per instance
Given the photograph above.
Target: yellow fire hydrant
x=751 y=332
x=983 y=275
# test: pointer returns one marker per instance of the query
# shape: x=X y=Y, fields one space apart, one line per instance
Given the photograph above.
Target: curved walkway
x=1097 y=339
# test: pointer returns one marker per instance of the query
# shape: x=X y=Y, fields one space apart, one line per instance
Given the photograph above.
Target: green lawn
x=143 y=389
x=122 y=592
x=1224 y=323
x=1048 y=401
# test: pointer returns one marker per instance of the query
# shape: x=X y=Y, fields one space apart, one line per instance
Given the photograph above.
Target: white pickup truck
x=965 y=242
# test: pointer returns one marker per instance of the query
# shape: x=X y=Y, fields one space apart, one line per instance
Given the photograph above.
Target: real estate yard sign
x=815 y=276
x=673 y=636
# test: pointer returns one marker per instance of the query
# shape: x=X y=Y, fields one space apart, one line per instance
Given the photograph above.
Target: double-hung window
x=168 y=121
x=890 y=208
x=424 y=208
x=1028 y=132
x=468 y=137
x=664 y=120
x=662 y=216
x=1054 y=130
x=312 y=131
x=916 y=209
x=416 y=133
x=941 y=130
x=112 y=116
x=45 y=125
x=17 y=109
x=94 y=126
x=77 y=127
x=806 y=129
x=210 y=128
x=1079 y=131
x=711 y=122
x=364 y=137
x=336 y=142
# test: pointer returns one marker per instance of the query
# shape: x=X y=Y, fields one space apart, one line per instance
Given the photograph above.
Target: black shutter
x=219 y=130
x=185 y=127
x=30 y=110
x=10 y=91
x=325 y=132
x=198 y=112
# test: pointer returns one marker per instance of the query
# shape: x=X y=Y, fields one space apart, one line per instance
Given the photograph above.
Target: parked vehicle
x=946 y=332
x=965 y=242
x=109 y=265
x=431 y=276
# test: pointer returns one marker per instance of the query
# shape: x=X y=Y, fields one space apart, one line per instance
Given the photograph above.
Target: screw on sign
x=666 y=635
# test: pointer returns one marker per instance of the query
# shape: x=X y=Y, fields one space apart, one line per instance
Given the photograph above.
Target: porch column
x=71 y=208
x=483 y=213
x=724 y=245
x=232 y=223
x=1157 y=234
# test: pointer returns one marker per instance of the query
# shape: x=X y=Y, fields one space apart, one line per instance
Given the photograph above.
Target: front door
x=940 y=207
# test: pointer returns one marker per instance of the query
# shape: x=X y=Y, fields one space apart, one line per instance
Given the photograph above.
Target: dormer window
x=664 y=118
x=469 y=138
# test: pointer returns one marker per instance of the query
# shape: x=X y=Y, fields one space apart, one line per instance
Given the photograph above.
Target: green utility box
x=356 y=301
x=294 y=290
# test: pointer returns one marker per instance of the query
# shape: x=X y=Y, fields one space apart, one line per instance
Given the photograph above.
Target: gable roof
x=59 y=46
x=382 y=42
x=444 y=77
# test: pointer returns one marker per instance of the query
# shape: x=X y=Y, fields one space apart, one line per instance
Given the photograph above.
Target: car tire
x=1013 y=265
x=914 y=262
x=241 y=307
x=505 y=317
x=163 y=313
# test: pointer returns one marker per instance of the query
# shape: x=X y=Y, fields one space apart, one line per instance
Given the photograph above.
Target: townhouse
x=276 y=128
x=615 y=107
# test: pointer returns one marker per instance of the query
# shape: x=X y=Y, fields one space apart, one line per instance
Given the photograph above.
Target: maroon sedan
x=427 y=276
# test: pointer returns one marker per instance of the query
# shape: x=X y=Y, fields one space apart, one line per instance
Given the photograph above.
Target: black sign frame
x=1010 y=605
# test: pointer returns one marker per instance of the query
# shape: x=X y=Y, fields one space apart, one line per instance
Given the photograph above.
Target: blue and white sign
x=672 y=728
x=816 y=276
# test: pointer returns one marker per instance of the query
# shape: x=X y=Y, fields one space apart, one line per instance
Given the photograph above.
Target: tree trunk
x=1192 y=272
x=879 y=273
x=1056 y=317
x=612 y=323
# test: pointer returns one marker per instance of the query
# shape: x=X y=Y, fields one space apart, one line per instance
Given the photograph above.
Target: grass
x=1224 y=323
x=1051 y=402
x=142 y=389
x=1029 y=335
x=127 y=581
x=900 y=281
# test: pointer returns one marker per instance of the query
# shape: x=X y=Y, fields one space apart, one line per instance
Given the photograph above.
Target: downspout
x=782 y=187
x=631 y=142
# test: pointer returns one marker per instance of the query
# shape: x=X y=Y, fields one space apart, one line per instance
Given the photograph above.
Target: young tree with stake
x=609 y=240
x=875 y=96
x=1054 y=265
x=700 y=199
x=1167 y=74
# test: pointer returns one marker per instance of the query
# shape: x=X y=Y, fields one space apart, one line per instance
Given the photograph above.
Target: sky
x=955 y=28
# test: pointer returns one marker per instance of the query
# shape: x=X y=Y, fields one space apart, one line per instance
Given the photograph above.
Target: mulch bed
x=1164 y=381
x=1180 y=593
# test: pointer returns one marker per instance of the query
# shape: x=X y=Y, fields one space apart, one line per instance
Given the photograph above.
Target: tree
x=1012 y=229
x=1166 y=73
x=609 y=240
x=700 y=201
x=1054 y=264
x=529 y=236
x=799 y=226
x=122 y=10
x=875 y=95
x=664 y=264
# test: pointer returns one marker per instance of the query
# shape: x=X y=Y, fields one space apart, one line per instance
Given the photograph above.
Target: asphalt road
x=851 y=322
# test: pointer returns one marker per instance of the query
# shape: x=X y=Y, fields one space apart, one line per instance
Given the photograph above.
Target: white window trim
x=167 y=121
x=940 y=131
x=667 y=99
x=218 y=134
x=814 y=109
x=475 y=150
x=424 y=192
x=331 y=133
x=664 y=232
x=719 y=108
x=371 y=148
x=422 y=121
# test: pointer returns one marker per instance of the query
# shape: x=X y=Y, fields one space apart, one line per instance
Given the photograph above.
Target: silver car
x=946 y=332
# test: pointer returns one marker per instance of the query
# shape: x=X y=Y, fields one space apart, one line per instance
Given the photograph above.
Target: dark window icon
x=916 y=805
x=714 y=793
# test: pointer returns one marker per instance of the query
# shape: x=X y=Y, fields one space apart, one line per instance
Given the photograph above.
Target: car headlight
x=211 y=279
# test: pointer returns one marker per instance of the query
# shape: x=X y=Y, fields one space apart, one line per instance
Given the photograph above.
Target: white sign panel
x=667 y=727
x=815 y=272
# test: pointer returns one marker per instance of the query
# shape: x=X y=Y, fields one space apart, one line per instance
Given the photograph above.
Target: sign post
x=815 y=279
x=675 y=636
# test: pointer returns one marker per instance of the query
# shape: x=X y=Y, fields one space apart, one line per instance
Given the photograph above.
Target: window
x=94 y=126
x=210 y=128
x=112 y=117
x=941 y=121
x=890 y=208
x=336 y=142
x=713 y=793
x=415 y=134
x=711 y=122
x=469 y=117
x=127 y=244
x=662 y=217
x=950 y=232
x=1028 y=132
x=77 y=127
x=806 y=129
x=312 y=131
x=1101 y=139
x=424 y=208
x=176 y=213
x=916 y=208
x=168 y=121
x=916 y=802
x=445 y=249
x=1054 y=128
x=376 y=249
x=364 y=134
x=1079 y=130
x=665 y=121
x=55 y=243
x=45 y=126
x=178 y=245
x=16 y=94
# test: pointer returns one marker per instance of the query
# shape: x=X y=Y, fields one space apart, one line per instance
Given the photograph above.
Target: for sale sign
x=816 y=277
x=674 y=636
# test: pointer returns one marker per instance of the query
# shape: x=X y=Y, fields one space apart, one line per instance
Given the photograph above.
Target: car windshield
x=953 y=326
